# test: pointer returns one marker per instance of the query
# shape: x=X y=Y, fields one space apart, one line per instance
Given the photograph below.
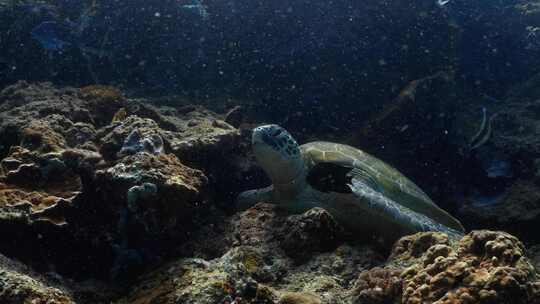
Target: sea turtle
x=362 y=193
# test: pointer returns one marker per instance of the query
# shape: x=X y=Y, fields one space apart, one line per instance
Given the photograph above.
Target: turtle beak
x=256 y=138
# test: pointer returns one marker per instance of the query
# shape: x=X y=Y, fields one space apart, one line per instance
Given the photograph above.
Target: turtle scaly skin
x=375 y=201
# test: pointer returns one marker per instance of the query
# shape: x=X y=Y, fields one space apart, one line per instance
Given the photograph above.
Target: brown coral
x=102 y=92
x=103 y=101
x=378 y=285
x=483 y=267
x=40 y=137
x=40 y=185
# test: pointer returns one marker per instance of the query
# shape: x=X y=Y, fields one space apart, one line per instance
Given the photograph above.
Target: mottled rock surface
x=516 y=209
x=193 y=133
x=254 y=267
x=483 y=267
x=19 y=284
x=378 y=285
x=313 y=231
x=110 y=176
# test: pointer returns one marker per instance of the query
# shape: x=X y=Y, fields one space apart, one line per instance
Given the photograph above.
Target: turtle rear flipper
x=395 y=212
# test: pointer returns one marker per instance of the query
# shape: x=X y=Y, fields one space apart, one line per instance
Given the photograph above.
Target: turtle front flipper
x=249 y=198
x=394 y=212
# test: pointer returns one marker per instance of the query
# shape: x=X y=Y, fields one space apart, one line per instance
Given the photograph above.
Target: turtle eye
x=277 y=132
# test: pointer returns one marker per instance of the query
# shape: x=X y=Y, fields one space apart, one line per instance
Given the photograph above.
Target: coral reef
x=156 y=192
x=378 y=285
x=482 y=267
x=253 y=266
x=21 y=284
x=193 y=133
x=91 y=169
x=18 y=284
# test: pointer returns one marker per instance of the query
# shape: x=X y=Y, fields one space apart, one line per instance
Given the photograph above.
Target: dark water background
x=286 y=53
x=320 y=68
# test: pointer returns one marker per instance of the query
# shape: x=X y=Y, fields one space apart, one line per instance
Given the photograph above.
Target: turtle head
x=278 y=153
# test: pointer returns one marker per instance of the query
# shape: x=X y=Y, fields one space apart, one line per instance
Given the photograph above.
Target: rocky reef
x=109 y=199
x=256 y=267
x=91 y=170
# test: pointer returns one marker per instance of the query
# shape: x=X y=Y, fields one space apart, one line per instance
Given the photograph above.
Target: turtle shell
x=379 y=176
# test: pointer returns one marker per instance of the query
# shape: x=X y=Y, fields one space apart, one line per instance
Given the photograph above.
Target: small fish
x=442 y=2
x=484 y=132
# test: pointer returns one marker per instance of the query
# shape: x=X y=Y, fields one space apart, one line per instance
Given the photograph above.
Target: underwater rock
x=85 y=118
x=299 y=298
x=64 y=183
x=254 y=267
x=534 y=253
x=378 y=286
x=103 y=101
x=22 y=103
x=41 y=137
x=516 y=210
x=163 y=170
x=45 y=207
x=160 y=193
x=134 y=144
x=314 y=231
x=153 y=204
x=37 y=184
x=257 y=225
x=195 y=281
x=201 y=136
x=19 y=284
x=133 y=134
x=194 y=134
x=483 y=267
